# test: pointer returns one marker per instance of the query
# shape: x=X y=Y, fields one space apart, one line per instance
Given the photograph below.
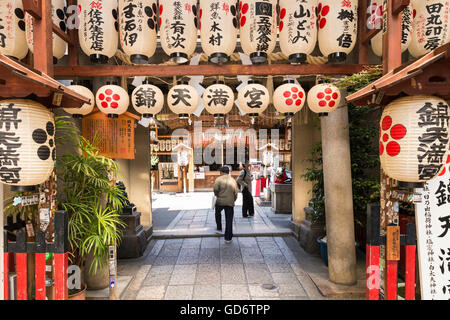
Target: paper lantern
x=12 y=29
x=377 y=41
x=28 y=154
x=147 y=99
x=289 y=98
x=138 y=28
x=183 y=99
x=298 y=29
x=324 y=98
x=258 y=20
x=338 y=26
x=218 y=99
x=112 y=100
x=85 y=108
x=98 y=32
x=178 y=28
x=414 y=138
x=430 y=26
x=59 y=19
x=253 y=99
x=220 y=29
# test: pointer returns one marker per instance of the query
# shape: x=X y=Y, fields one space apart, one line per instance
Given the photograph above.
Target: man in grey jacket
x=226 y=191
x=245 y=182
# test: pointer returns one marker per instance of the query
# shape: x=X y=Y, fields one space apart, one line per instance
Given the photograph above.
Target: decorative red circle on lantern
x=108 y=99
x=298 y=102
x=245 y=8
x=289 y=102
x=101 y=96
x=414 y=13
x=294 y=96
x=393 y=148
x=108 y=92
x=281 y=25
x=287 y=94
x=322 y=103
x=386 y=123
x=116 y=97
x=300 y=94
x=104 y=104
x=328 y=98
x=335 y=95
x=328 y=91
x=201 y=13
x=331 y=103
x=325 y=10
x=323 y=22
x=282 y=13
x=381 y=148
x=385 y=137
x=243 y=19
x=294 y=89
x=160 y=8
x=398 y=131
x=320 y=95
x=319 y=7
x=114 y=105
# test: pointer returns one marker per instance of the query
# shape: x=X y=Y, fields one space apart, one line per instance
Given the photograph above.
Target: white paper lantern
x=147 y=99
x=98 y=32
x=112 y=100
x=218 y=29
x=324 y=98
x=178 y=28
x=430 y=26
x=27 y=154
x=289 y=98
x=258 y=20
x=338 y=28
x=12 y=29
x=253 y=99
x=414 y=138
x=183 y=99
x=298 y=29
x=218 y=99
x=59 y=19
x=85 y=108
x=138 y=29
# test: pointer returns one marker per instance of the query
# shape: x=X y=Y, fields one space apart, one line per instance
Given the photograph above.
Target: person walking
x=245 y=182
x=226 y=192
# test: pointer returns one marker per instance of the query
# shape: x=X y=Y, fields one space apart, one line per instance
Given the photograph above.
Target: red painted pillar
x=391 y=285
x=373 y=253
x=6 y=275
x=61 y=266
x=258 y=188
x=40 y=276
x=410 y=269
x=21 y=271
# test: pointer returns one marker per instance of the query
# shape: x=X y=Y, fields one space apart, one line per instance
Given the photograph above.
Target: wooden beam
x=33 y=8
x=69 y=72
x=399 y=5
x=42 y=35
x=57 y=30
x=370 y=34
x=392 y=36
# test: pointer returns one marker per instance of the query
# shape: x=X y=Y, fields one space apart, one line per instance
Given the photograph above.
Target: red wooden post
x=40 y=276
x=410 y=269
x=61 y=265
x=373 y=253
x=391 y=281
x=6 y=276
x=21 y=271
x=258 y=188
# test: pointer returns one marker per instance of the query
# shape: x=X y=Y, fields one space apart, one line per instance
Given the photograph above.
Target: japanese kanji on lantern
x=254 y=98
x=414 y=138
x=59 y=19
x=324 y=98
x=178 y=28
x=183 y=99
x=220 y=29
x=112 y=100
x=138 y=29
x=298 y=29
x=12 y=29
x=218 y=99
x=98 y=32
x=430 y=26
x=338 y=27
x=258 y=20
x=289 y=98
x=27 y=155
x=147 y=99
x=85 y=108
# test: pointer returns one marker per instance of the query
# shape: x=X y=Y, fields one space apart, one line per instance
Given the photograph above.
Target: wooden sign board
x=393 y=243
x=116 y=134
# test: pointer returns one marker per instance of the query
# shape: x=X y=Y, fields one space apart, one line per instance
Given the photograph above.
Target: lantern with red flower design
x=324 y=98
x=112 y=100
x=289 y=98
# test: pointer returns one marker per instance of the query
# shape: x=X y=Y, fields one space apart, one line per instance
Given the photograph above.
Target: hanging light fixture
x=338 y=28
x=183 y=99
x=414 y=138
x=178 y=28
x=85 y=108
x=12 y=29
x=298 y=29
x=258 y=20
x=28 y=154
x=147 y=99
x=59 y=19
x=289 y=98
x=98 y=32
x=324 y=98
x=138 y=29
x=253 y=99
x=218 y=99
x=112 y=100
x=220 y=29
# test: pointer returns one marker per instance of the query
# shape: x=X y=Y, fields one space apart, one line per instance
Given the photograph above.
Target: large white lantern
x=85 y=108
x=27 y=154
x=253 y=99
x=218 y=29
x=258 y=20
x=414 y=138
x=178 y=28
x=98 y=32
x=218 y=99
x=289 y=98
x=298 y=29
x=183 y=99
x=12 y=29
x=430 y=26
x=338 y=28
x=59 y=19
x=147 y=99
x=324 y=98
x=112 y=100
x=138 y=28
